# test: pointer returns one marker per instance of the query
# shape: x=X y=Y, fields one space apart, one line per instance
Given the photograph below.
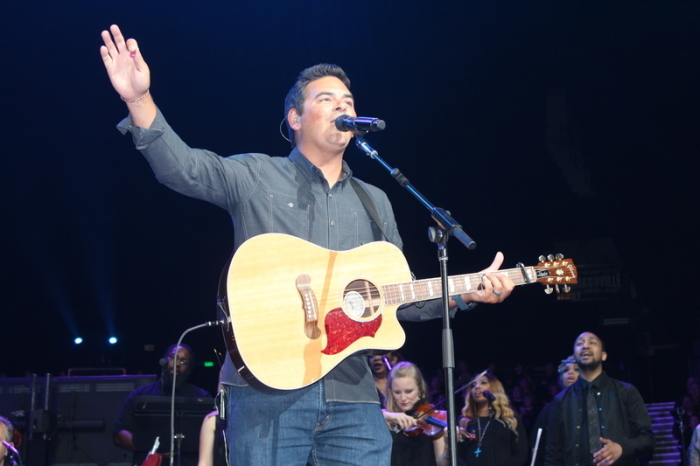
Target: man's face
x=588 y=351
x=326 y=99
x=184 y=364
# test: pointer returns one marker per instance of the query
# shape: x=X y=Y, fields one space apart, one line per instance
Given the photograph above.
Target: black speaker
x=75 y=429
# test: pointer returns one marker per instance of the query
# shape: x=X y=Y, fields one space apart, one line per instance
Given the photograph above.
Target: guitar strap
x=371 y=210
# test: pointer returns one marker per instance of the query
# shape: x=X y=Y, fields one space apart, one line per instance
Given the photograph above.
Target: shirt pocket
x=288 y=215
x=365 y=229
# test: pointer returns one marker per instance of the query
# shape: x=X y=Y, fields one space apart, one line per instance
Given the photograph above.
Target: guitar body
x=297 y=310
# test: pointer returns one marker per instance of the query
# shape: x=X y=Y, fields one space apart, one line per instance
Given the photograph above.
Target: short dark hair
x=602 y=343
x=171 y=350
x=297 y=94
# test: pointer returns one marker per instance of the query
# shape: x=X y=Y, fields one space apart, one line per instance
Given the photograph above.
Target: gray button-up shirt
x=264 y=194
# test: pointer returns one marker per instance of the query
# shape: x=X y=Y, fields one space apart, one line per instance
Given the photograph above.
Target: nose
x=341 y=105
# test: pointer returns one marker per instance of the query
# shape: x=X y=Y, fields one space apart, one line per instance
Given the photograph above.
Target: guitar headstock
x=554 y=271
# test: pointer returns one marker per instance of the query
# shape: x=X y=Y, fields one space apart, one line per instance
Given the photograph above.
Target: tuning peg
x=556 y=288
x=559 y=256
x=548 y=289
x=566 y=288
x=550 y=257
x=542 y=259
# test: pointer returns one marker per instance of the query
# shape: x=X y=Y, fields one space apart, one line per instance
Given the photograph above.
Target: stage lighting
x=112 y=340
x=78 y=341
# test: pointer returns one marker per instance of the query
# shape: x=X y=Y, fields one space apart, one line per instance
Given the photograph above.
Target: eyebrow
x=581 y=340
x=345 y=96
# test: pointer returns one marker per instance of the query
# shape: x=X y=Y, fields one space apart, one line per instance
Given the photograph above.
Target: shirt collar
x=597 y=383
x=311 y=170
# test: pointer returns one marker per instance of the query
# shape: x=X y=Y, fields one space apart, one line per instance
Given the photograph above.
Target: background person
x=124 y=425
x=568 y=375
x=406 y=389
x=499 y=436
x=6 y=434
x=597 y=420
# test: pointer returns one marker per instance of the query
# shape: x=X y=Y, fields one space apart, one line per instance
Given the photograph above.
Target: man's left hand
x=607 y=455
x=494 y=287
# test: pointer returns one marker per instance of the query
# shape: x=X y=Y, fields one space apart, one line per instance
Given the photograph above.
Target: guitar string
x=393 y=292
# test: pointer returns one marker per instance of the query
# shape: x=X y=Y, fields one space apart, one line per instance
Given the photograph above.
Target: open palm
x=125 y=66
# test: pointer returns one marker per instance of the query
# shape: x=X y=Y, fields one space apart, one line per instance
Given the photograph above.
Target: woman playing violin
x=499 y=438
x=415 y=442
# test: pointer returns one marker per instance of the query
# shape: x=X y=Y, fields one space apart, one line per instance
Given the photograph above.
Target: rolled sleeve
x=142 y=137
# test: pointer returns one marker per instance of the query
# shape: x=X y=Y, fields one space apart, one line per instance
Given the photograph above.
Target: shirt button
x=578 y=427
x=330 y=195
x=332 y=223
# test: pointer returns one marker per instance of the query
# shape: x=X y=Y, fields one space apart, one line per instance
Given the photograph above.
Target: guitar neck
x=421 y=290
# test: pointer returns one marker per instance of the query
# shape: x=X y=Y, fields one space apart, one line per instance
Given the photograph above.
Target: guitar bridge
x=310 y=305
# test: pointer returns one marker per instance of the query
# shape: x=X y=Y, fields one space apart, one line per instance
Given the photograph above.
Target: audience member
x=6 y=433
x=406 y=390
x=694 y=448
x=212 y=441
x=380 y=365
x=597 y=420
x=499 y=438
x=124 y=425
x=568 y=374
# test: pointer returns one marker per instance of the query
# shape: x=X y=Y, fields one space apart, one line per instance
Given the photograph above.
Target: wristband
x=461 y=304
x=138 y=98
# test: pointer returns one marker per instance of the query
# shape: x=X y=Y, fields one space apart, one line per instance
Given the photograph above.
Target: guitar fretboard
x=421 y=290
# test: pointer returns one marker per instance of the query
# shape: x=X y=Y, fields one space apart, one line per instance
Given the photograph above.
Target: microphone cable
x=210 y=323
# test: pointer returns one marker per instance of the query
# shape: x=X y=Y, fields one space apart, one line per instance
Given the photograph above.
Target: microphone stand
x=439 y=235
x=179 y=436
x=681 y=425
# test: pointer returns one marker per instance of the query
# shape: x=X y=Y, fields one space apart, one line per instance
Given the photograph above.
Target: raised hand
x=125 y=66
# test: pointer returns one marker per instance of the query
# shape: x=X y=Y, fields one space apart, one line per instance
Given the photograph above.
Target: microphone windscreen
x=340 y=123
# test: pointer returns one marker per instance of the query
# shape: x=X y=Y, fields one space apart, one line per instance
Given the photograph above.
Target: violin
x=431 y=421
x=464 y=435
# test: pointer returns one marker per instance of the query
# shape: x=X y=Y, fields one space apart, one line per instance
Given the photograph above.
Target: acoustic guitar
x=296 y=310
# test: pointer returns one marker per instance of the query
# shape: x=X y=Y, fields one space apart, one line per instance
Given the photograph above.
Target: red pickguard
x=342 y=331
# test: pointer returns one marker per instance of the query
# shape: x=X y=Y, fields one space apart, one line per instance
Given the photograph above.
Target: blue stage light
x=78 y=340
x=112 y=340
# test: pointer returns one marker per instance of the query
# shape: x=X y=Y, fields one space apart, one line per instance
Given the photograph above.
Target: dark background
x=539 y=125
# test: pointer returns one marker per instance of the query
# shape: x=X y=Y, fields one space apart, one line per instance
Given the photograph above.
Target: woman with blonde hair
x=493 y=435
x=406 y=388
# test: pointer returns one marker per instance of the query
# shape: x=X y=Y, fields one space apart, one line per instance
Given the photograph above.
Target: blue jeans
x=293 y=428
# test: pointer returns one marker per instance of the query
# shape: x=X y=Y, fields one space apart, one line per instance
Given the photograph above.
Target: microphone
x=359 y=124
x=11 y=448
x=489 y=396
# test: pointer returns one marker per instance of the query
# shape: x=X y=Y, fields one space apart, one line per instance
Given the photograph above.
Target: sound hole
x=361 y=299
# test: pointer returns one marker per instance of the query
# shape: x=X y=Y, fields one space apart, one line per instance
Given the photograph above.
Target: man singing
x=309 y=195
x=597 y=420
